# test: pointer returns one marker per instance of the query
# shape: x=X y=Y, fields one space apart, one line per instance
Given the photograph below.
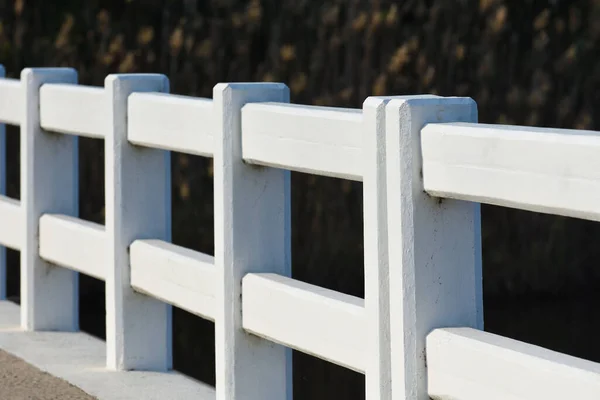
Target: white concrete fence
x=425 y=164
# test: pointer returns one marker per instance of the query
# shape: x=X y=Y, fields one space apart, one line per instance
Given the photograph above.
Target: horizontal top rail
x=171 y=122
x=11 y=104
x=318 y=140
x=74 y=109
x=536 y=169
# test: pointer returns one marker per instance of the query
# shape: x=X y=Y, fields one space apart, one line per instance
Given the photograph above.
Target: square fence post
x=138 y=206
x=378 y=363
x=3 y=178
x=377 y=307
x=252 y=234
x=48 y=185
x=434 y=244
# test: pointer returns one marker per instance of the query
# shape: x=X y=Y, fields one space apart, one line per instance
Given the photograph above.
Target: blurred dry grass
x=531 y=63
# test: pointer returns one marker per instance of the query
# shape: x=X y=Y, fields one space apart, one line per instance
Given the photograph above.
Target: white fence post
x=138 y=206
x=3 y=179
x=377 y=371
x=252 y=234
x=377 y=301
x=48 y=184
x=434 y=245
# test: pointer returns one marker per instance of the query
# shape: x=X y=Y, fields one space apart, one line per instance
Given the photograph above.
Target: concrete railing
x=425 y=164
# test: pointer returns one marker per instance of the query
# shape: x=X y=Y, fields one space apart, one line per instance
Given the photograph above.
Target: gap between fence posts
x=49 y=180
x=138 y=206
x=434 y=245
x=252 y=234
x=3 y=178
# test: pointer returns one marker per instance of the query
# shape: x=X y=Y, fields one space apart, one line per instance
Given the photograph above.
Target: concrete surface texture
x=80 y=359
x=22 y=381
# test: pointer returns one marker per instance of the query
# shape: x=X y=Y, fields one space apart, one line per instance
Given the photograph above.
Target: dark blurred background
x=524 y=62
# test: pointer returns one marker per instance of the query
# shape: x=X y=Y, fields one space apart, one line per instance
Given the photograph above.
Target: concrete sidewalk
x=22 y=381
x=79 y=359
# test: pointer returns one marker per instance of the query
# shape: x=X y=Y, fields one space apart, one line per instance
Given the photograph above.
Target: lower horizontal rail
x=467 y=364
x=181 y=277
x=12 y=222
x=317 y=321
x=73 y=243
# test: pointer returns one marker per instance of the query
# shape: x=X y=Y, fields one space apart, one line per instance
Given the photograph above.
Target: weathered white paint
x=48 y=184
x=171 y=122
x=314 y=320
x=322 y=140
x=3 y=190
x=176 y=275
x=79 y=359
x=74 y=109
x=468 y=364
x=74 y=244
x=434 y=247
x=545 y=170
x=252 y=234
x=138 y=206
x=11 y=101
